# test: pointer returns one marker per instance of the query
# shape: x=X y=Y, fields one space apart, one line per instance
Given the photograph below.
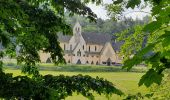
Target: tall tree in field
x=156 y=54
x=33 y=26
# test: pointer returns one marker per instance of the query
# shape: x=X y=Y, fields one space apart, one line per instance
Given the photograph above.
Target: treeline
x=108 y=26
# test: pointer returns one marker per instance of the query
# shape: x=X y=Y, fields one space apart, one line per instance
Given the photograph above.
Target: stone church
x=85 y=48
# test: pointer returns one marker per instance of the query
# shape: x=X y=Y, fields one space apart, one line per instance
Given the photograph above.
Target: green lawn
x=126 y=81
x=79 y=68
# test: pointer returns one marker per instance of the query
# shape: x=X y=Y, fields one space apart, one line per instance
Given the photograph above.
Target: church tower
x=77 y=31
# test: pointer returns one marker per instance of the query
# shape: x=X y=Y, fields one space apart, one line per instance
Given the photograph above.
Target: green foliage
x=53 y=87
x=114 y=9
x=133 y=40
x=138 y=96
x=78 y=68
x=138 y=58
x=148 y=79
x=156 y=52
x=161 y=92
x=33 y=25
x=117 y=78
x=133 y=3
x=31 y=22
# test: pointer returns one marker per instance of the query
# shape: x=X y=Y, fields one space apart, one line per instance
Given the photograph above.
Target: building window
x=84 y=55
x=64 y=47
x=79 y=53
x=104 y=62
x=70 y=47
x=97 y=63
x=89 y=48
x=78 y=29
x=92 y=62
x=87 y=62
x=113 y=63
x=95 y=48
x=68 y=61
x=48 y=60
x=83 y=47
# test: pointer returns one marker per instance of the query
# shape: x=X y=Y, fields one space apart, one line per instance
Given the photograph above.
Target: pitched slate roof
x=116 y=46
x=96 y=38
x=90 y=38
x=64 y=38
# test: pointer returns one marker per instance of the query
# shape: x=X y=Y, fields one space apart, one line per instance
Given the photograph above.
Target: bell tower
x=77 y=31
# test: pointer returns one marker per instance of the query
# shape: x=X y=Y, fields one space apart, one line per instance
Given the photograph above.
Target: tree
x=157 y=42
x=33 y=26
x=161 y=91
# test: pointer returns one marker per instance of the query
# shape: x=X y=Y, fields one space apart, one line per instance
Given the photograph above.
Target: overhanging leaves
x=151 y=77
x=54 y=87
x=139 y=57
x=151 y=27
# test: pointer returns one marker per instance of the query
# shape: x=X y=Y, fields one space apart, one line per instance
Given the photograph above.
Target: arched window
x=48 y=60
x=95 y=48
x=87 y=62
x=83 y=47
x=78 y=61
x=68 y=61
x=70 y=47
x=79 y=53
x=92 y=62
x=89 y=48
x=64 y=47
x=77 y=29
x=97 y=63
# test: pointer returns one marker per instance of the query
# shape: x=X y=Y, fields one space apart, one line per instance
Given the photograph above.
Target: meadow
x=125 y=81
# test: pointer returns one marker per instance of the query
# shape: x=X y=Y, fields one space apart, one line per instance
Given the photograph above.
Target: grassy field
x=80 y=68
x=126 y=81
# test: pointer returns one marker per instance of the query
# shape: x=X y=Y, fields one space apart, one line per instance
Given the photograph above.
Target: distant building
x=85 y=48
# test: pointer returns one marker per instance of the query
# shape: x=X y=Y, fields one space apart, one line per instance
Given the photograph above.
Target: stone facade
x=86 y=48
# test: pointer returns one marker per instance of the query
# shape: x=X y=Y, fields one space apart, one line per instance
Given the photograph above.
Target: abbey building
x=86 y=48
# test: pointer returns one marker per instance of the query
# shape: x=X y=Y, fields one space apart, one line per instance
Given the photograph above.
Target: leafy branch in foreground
x=162 y=91
x=156 y=53
x=50 y=87
x=33 y=25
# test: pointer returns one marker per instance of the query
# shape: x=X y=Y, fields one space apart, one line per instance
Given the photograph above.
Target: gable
x=108 y=50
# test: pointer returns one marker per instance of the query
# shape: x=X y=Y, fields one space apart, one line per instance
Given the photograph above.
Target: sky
x=102 y=13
